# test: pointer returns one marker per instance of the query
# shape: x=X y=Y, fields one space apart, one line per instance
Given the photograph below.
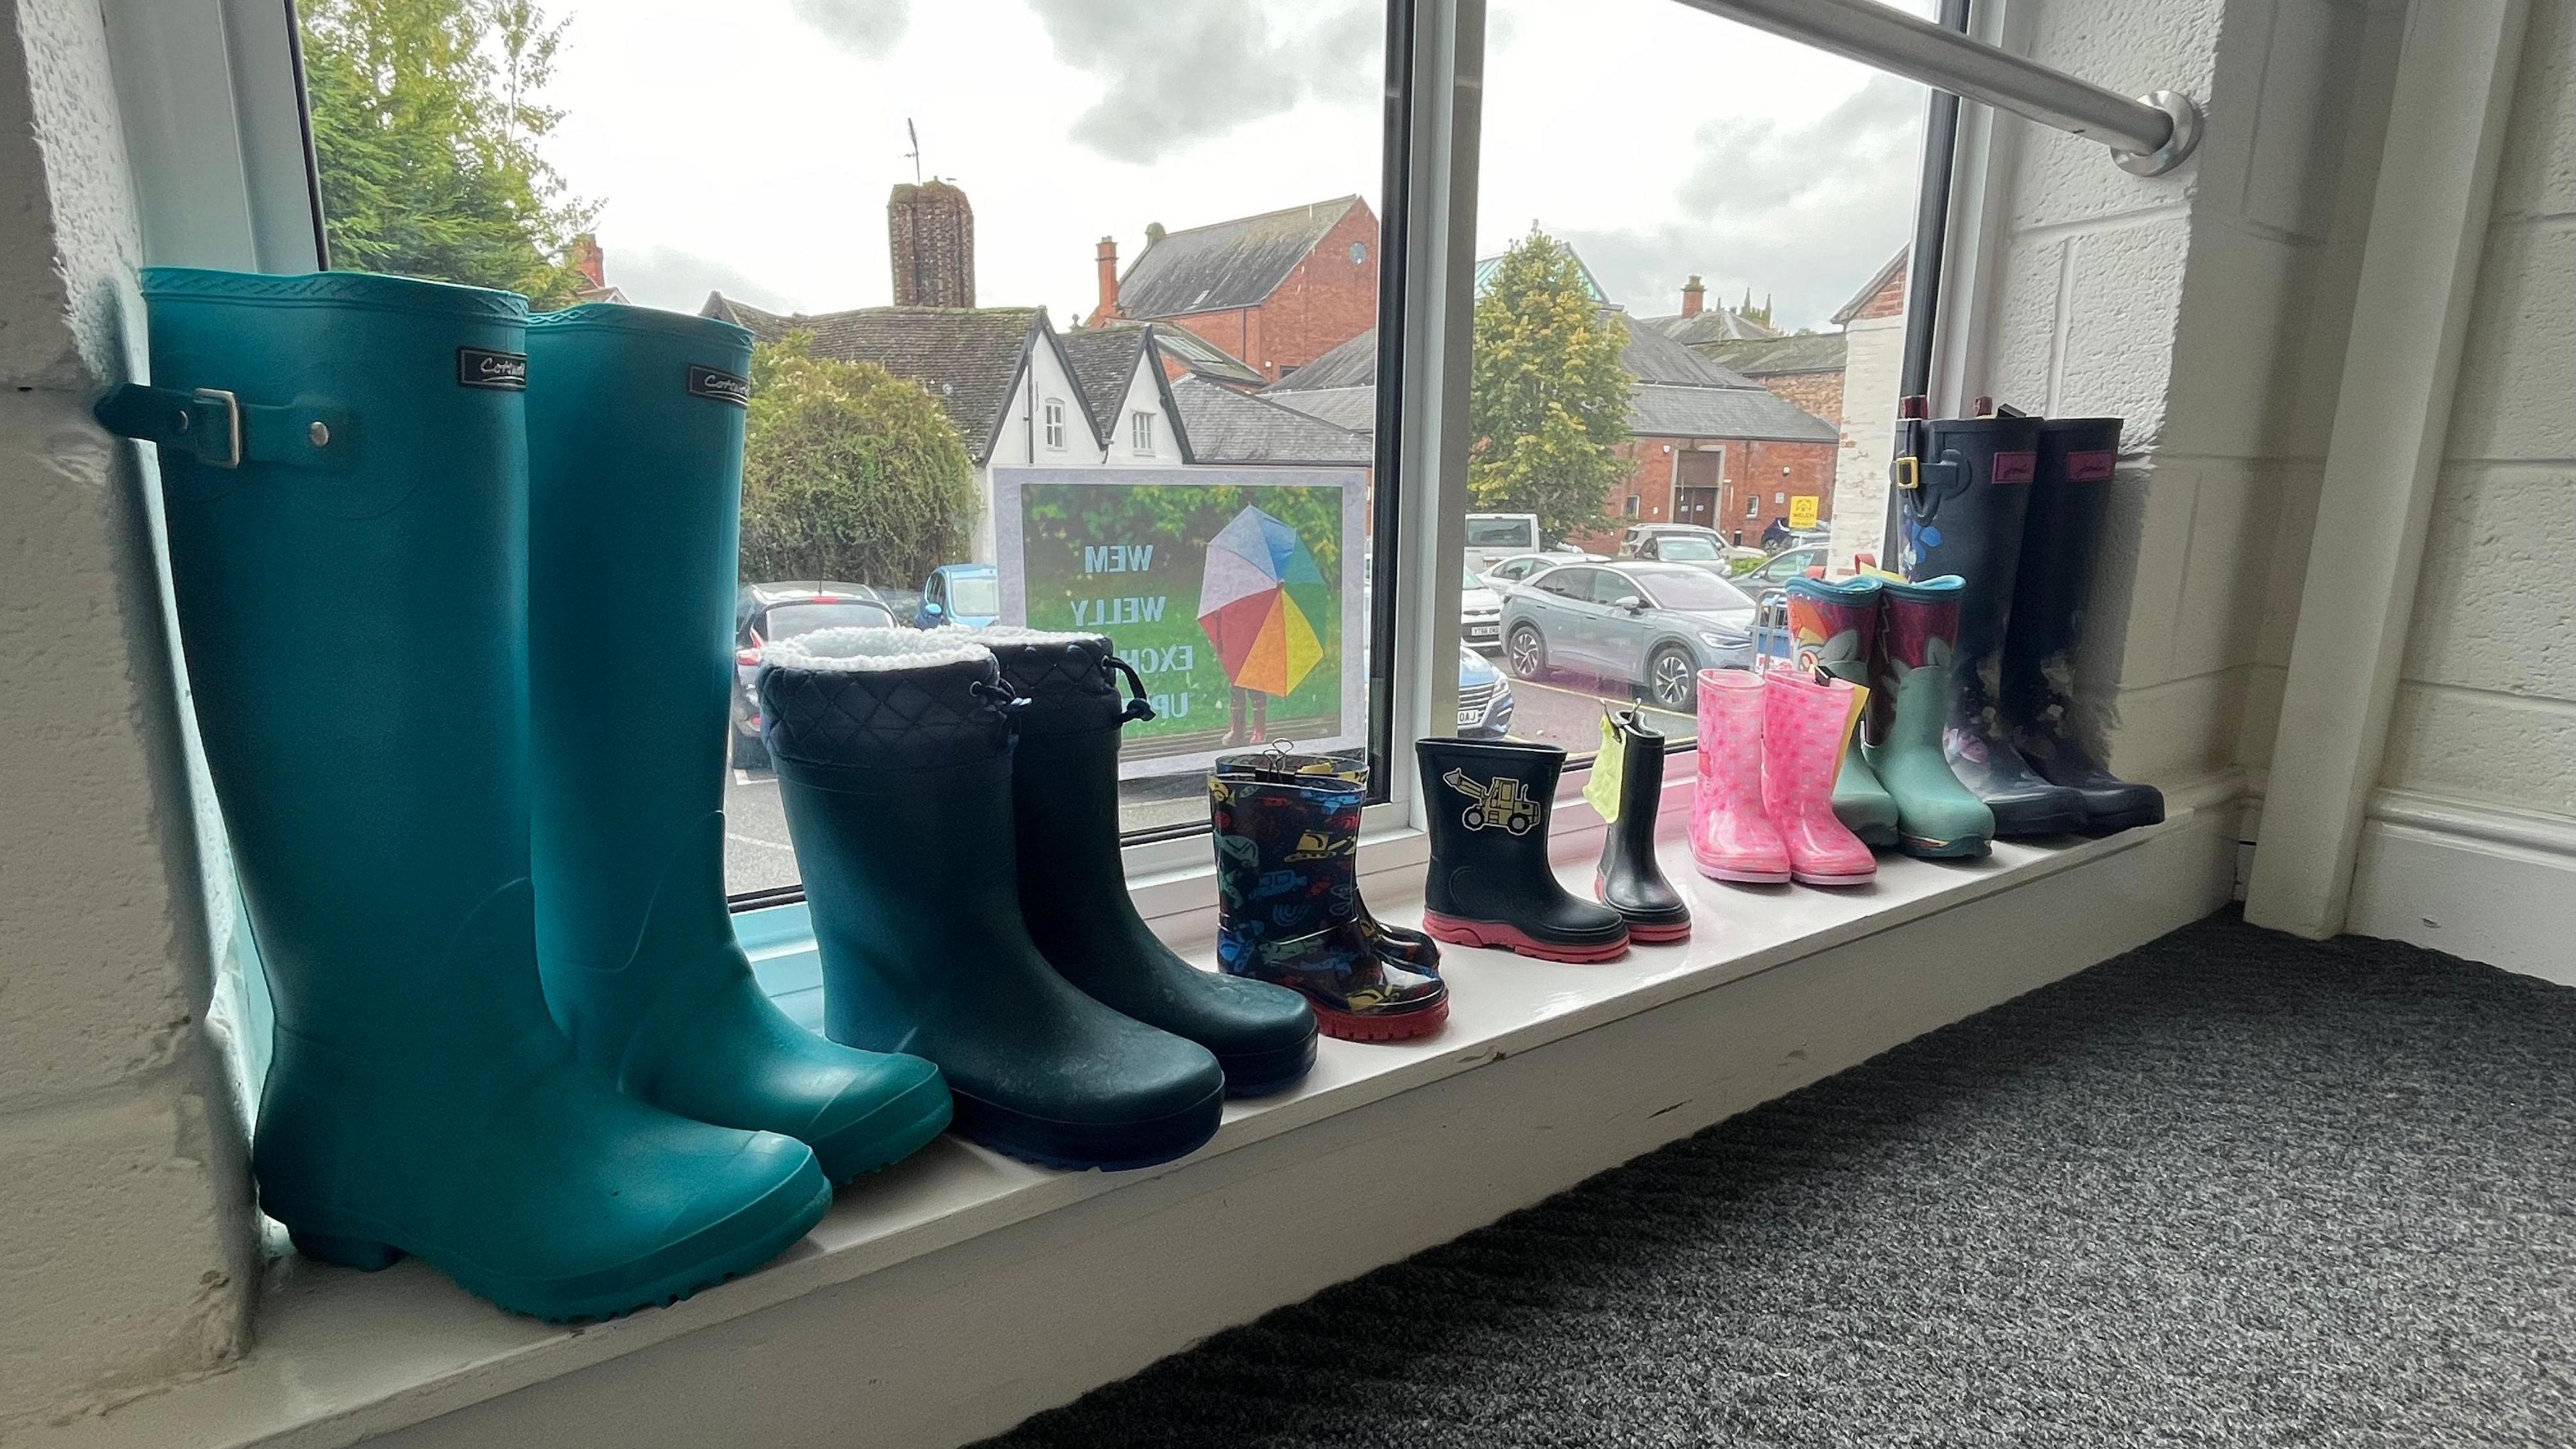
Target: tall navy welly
x=2077 y=457
x=1962 y=514
x=1073 y=882
x=635 y=424
x=343 y=462
x=893 y=751
x=1490 y=883
x=1629 y=880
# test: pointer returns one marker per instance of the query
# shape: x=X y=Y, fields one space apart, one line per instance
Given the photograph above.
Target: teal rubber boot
x=343 y=467
x=1918 y=634
x=1833 y=630
x=635 y=426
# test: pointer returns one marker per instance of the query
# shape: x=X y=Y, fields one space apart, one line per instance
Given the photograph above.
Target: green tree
x=1547 y=397
x=425 y=130
x=849 y=473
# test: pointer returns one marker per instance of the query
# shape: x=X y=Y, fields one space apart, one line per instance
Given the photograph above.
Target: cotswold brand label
x=479 y=367
x=2016 y=467
x=722 y=386
x=2090 y=467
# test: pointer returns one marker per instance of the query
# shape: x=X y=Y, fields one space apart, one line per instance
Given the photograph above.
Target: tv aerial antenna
x=915 y=152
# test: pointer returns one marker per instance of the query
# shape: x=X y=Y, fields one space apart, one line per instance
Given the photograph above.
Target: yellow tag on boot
x=1608 y=768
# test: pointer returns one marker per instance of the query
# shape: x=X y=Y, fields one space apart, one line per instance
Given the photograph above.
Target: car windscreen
x=975 y=594
x=1691 y=589
x=1501 y=533
x=786 y=621
x=1685 y=547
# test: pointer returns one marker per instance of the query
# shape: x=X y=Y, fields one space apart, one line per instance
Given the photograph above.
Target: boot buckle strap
x=214 y=426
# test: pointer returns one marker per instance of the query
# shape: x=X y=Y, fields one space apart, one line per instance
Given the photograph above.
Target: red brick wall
x=1751 y=469
x=1818 y=394
x=1887 y=301
x=1326 y=301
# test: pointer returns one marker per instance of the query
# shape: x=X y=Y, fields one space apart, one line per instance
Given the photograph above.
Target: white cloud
x=867 y=28
x=1174 y=75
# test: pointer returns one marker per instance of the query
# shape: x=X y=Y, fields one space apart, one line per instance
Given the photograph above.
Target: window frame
x=1051 y=424
x=1140 y=431
x=224 y=178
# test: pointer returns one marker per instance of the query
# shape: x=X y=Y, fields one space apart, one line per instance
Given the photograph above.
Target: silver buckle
x=232 y=426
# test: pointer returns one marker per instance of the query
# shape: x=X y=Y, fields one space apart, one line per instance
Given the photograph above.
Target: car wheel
x=1526 y=654
x=1670 y=676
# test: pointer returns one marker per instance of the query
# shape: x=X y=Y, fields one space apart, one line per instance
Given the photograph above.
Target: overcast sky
x=1658 y=140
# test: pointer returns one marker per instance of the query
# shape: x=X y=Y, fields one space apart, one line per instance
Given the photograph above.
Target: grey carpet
x=2232 y=1188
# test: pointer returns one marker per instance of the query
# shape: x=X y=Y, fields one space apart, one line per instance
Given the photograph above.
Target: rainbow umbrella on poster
x=1259 y=603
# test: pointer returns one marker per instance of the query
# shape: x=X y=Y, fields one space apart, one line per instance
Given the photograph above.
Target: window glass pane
x=971 y=237
x=1739 y=249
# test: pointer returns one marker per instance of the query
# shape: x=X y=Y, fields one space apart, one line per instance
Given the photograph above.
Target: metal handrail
x=2149 y=135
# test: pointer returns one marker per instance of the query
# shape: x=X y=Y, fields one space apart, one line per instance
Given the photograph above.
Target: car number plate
x=1468 y=717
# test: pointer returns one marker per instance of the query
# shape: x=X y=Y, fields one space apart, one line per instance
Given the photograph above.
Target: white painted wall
x=1873 y=364
x=124 y=1221
x=2472 y=847
x=1023 y=440
x=2208 y=308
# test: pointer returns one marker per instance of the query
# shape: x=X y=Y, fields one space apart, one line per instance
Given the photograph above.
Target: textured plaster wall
x=1873 y=365
x=2487 y=708
x=2208 y=308
x=124 y=1221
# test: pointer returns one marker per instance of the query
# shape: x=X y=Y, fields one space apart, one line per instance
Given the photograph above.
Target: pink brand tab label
x=2016 y=467
x=2091 y=467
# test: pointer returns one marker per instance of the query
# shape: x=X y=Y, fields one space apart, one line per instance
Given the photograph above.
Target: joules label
x=2093 y=466
x=724 y=387
x=479 y=367
x=2016 y=467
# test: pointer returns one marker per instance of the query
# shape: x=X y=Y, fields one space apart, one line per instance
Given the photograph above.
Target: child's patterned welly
x=1804 y=723
x=1287 y=831
x=1731 y=835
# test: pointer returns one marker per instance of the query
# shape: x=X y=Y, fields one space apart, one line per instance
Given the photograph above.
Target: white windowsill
x=342 y=1355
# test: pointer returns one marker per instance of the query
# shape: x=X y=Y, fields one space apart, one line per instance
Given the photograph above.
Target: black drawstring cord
x=1008 y=703
x=1137 y=707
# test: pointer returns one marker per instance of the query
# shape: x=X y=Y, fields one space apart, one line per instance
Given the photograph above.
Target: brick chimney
x=589 y=260
x=1693 y=294
x=930 y=235
x=1108 y=259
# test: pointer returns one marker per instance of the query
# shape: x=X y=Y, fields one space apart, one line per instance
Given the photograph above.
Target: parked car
x=1781 y=567
x=1484 y=698
x=1492 y=536
x=763 y=614
x=1674 y=543
x=1480 y=616
x=1521 y=565
x=966 y=595
x=1650 y=624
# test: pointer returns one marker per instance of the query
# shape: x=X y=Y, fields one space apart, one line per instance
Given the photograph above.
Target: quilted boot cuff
x=883 y=699
x=1069 y=680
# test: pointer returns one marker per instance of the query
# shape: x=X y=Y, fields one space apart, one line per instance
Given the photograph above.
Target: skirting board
x=2484 y=882
x=965 y=1341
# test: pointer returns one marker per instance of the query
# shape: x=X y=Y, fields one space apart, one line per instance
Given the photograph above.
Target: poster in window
x=1239 y=594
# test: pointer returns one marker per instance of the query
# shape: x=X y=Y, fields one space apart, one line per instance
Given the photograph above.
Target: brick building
x=1277 y=290
x=1873 y=324
x=1806 y=368
x=930 y=237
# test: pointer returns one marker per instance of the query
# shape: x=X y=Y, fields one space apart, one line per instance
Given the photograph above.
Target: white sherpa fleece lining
x=873 y=651
x=1018 y=634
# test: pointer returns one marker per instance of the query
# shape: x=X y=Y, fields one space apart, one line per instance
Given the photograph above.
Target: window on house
x=1727 y=220
x=929 y=323
x=1635 y=504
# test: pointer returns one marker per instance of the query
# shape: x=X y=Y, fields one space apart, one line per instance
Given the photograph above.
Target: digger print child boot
x=1731 y=836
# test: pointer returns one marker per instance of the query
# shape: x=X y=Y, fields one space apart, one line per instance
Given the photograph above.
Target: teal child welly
x=343 y=464
x=635 y=436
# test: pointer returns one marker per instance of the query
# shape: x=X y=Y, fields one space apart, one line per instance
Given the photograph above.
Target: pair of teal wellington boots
x=1899 y=641
x=455 y=589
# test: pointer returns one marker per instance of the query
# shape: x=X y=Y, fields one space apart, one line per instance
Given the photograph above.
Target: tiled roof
x=1776 y=356
x=1228 y=264
x=1226 y=426
x=1344 y=407
x=1658 y=410
x=1104 y=362
x=1651 y=357
x=1352 y=364
x=967 y=357
x=1712 y=324
x=1203 y=357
